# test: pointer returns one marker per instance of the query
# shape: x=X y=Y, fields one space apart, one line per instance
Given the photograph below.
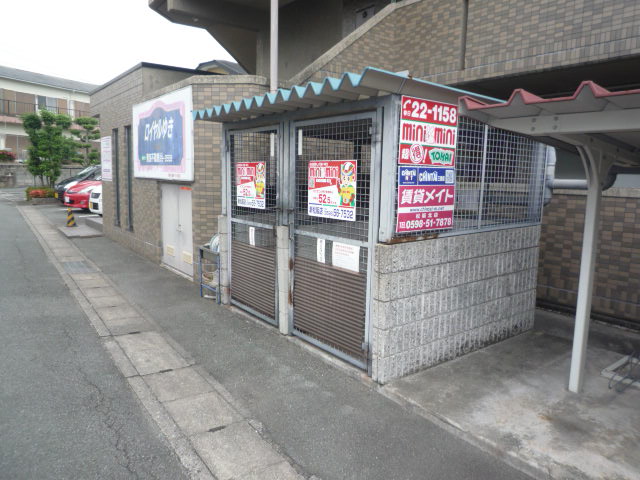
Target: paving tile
x=115 y=313
x=184 y=382
x=200 y=413
x=96 y=292
x=97 y=282
x=108 y=301
x=150 y=353
x=234 y=451
x=123 y=326
x=280 y=471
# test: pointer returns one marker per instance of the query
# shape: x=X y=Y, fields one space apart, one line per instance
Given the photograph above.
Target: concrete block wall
x=616 y=290
x=435 y=300
x=502 y=38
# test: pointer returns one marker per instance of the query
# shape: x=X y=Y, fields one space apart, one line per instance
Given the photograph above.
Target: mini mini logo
x=441 y=157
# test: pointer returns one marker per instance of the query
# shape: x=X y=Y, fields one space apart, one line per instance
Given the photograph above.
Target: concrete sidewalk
x=323 y=421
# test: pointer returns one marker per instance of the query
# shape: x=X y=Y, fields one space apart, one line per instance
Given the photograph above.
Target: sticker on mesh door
x=250 y=184
x=333 y=189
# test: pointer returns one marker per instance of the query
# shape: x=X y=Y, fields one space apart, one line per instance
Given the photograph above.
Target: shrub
x=39 y=192
x=7 y=156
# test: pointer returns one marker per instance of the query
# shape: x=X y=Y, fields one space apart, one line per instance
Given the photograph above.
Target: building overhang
x=592 y=116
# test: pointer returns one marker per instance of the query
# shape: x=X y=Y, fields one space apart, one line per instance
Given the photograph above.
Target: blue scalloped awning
x=372 y=82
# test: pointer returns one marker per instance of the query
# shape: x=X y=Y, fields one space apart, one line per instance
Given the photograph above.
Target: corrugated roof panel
x=349 y=87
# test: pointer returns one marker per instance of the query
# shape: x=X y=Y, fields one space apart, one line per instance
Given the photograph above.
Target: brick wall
x=502 y=38
x=435 y=300
x=114 y=103
x=617 y=283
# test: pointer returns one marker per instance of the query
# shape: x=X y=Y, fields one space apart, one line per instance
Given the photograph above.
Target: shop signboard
x=428 y=132
x=333 y=189
x=425 y=207
x=251 y=180
x=162 y=134
x=105 y=159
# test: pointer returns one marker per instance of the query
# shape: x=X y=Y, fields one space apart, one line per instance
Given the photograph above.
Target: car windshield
x=85 y=170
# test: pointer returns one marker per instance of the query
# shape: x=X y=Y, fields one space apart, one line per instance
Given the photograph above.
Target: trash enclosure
x=364 y=216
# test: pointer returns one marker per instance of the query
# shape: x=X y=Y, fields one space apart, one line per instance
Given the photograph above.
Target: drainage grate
x=78 y=267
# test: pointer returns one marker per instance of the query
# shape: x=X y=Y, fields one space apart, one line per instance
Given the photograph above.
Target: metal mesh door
x=254 y=156
x=331 y=243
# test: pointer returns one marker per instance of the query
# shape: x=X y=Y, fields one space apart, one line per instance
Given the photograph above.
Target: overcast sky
x=95 y=40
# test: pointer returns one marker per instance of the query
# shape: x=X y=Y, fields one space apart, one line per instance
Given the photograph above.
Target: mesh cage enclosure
x=499 y=180
x=344 y=140
x=329 y=303
x=329 y=297
x=255 y=146
x=253 y=241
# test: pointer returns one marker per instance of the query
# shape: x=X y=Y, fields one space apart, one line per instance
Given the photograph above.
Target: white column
x=273 y=48
x=593 y=164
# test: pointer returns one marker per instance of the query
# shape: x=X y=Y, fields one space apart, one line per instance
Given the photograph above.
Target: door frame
x=227 y=209
x=376 y=116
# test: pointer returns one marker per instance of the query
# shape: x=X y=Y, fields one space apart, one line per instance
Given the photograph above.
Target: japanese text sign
x=332 y=189
x=251 y=180
x=163 y=137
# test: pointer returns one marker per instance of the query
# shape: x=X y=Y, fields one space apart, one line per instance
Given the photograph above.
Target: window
x=116 y=173
x=127 y=140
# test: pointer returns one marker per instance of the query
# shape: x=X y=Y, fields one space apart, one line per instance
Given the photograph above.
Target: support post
x=273 y=47
x=285 y=320
x=223 y=232
x=595 y=168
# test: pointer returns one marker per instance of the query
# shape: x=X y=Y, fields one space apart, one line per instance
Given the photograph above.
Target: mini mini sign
x=333 y=189
x=428 y=132
x=250 y=184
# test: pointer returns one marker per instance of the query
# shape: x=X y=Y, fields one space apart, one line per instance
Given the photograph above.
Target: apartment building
x=28 y=92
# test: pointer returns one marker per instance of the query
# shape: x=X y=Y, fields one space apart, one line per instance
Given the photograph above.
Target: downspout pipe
x=273 y=48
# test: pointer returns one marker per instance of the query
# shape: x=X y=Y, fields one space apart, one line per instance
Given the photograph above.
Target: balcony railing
x=15 y=109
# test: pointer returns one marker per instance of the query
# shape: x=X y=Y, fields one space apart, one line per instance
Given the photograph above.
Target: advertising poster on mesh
x=251 y=178
x=332 y=189
x=426 y=165
x=162 y=134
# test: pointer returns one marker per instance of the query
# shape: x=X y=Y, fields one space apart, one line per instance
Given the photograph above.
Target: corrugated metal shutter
x=253 y=280
x=329 y=306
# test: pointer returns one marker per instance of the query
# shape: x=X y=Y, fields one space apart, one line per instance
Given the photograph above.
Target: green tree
x=49 y=146
x=87 y=132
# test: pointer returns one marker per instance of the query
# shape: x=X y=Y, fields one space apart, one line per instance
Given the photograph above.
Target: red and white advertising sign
x=428 y=132
x=425 y=207
x=251 y=179
x=332 y=189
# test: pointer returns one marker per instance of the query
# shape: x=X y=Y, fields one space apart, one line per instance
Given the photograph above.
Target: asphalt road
x=65 y=410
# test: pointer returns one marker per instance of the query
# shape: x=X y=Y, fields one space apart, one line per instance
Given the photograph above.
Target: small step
x=94 y=222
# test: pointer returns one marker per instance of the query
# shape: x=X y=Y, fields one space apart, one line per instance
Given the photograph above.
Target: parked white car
x=95 y=200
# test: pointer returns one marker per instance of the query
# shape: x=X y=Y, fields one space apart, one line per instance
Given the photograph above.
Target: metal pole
x=485 y=142
x=273 y=52
x=592 y=166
